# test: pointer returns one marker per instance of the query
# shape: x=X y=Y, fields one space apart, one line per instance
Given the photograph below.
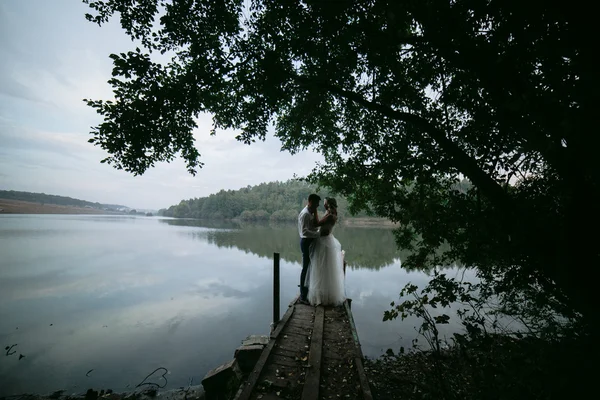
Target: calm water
x=123 y=296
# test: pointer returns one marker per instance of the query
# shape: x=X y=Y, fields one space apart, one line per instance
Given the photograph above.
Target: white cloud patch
x=50 y=59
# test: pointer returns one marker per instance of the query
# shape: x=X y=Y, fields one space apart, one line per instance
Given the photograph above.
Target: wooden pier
x=313 y=353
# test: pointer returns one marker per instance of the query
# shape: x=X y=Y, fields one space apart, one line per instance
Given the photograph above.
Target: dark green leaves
x=405 y=100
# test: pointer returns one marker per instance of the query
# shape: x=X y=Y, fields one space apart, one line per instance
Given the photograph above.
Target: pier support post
x=276 y=296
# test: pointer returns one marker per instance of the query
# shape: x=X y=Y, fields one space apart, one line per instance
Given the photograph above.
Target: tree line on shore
x=272 y=201
x=44 y=198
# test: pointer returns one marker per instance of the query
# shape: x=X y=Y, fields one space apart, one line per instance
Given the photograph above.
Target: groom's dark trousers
x=305 y=248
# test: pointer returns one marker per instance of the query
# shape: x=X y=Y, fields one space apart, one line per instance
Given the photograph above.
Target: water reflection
x=126 y=295
x=212 y=224
x=369 y=247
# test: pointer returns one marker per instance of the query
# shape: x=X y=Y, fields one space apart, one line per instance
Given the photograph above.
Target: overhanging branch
x=462 y=161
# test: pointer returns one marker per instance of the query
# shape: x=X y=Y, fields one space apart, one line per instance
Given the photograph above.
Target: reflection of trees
x=214 y=224
x=371 y=248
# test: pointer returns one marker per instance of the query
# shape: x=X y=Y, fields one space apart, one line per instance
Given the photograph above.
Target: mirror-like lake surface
x=124 y=295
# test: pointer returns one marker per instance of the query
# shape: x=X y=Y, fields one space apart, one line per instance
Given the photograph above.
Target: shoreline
x=190 y=393
x=8 y=206
x=365 y=222
x=360 y=222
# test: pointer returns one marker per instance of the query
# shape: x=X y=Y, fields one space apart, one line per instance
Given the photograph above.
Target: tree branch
x=462 y=161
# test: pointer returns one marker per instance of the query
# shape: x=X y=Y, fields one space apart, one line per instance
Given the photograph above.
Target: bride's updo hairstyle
x=332 y=202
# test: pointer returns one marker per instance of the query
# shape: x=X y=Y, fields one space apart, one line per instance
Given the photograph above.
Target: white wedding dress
x=325 y=277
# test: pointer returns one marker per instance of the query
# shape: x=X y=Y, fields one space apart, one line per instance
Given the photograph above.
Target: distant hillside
x=275 y=201
x=43 y=198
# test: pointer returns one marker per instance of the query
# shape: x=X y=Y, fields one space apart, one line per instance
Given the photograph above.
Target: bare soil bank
x=26 y=207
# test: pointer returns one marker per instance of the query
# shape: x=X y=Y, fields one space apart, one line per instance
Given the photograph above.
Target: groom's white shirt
x=306 y=225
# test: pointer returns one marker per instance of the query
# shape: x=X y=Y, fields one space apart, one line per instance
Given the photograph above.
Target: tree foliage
x=403 y=98
x=273 y=201
x=371 y=248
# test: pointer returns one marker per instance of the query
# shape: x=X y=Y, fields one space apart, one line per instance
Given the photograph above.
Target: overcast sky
x=50 y=59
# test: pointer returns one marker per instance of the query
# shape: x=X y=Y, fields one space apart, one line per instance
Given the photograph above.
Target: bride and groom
x=322 y=277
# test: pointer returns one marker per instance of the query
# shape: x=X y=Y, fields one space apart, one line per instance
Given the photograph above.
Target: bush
x=260 y=215
x=284 y=216
x=247 y=216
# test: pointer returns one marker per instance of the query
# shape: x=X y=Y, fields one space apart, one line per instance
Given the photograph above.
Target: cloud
x=51 y=59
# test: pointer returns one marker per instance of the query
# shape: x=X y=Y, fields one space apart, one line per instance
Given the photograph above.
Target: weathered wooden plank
x=339 y=310
x=293 y=337
x=283 y=321
x=337 y=343
x=251 y=340
x=334 y=326
x=300 y=323
x=292 y=340
x=338 y=333
x=303 y=310
x=289 y=353
x=273 y=383
x=364 y=383
x=313 y=376
x=247 y=356
x=305 y=307
x=294 y=300
x=246 y=390
x=283 y=371
x=285 y=360
x=293 y=346
x=295 y=330
x=334 y=344
x=303 y=326
x=330 y=353
x=305 y=315
x=223 y=380
x=305 y=319
x=269 y=396
x=300 y=326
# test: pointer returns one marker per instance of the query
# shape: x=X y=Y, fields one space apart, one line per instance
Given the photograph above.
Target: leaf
x=410 y=128
x=442 y=319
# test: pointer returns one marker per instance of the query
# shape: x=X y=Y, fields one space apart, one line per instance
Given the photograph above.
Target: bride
x=325 y=278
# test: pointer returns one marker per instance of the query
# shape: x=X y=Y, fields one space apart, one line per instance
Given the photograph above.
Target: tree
x=284 y=199
x=404 y=100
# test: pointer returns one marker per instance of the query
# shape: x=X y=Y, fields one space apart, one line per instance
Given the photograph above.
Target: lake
x=121 y=296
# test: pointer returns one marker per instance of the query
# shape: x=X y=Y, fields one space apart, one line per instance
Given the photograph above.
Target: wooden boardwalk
x=313 y=353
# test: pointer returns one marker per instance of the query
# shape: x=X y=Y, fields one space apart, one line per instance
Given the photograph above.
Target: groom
x=307 y=228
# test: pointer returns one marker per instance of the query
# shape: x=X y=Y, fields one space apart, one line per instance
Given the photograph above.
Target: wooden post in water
x=275 y=289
